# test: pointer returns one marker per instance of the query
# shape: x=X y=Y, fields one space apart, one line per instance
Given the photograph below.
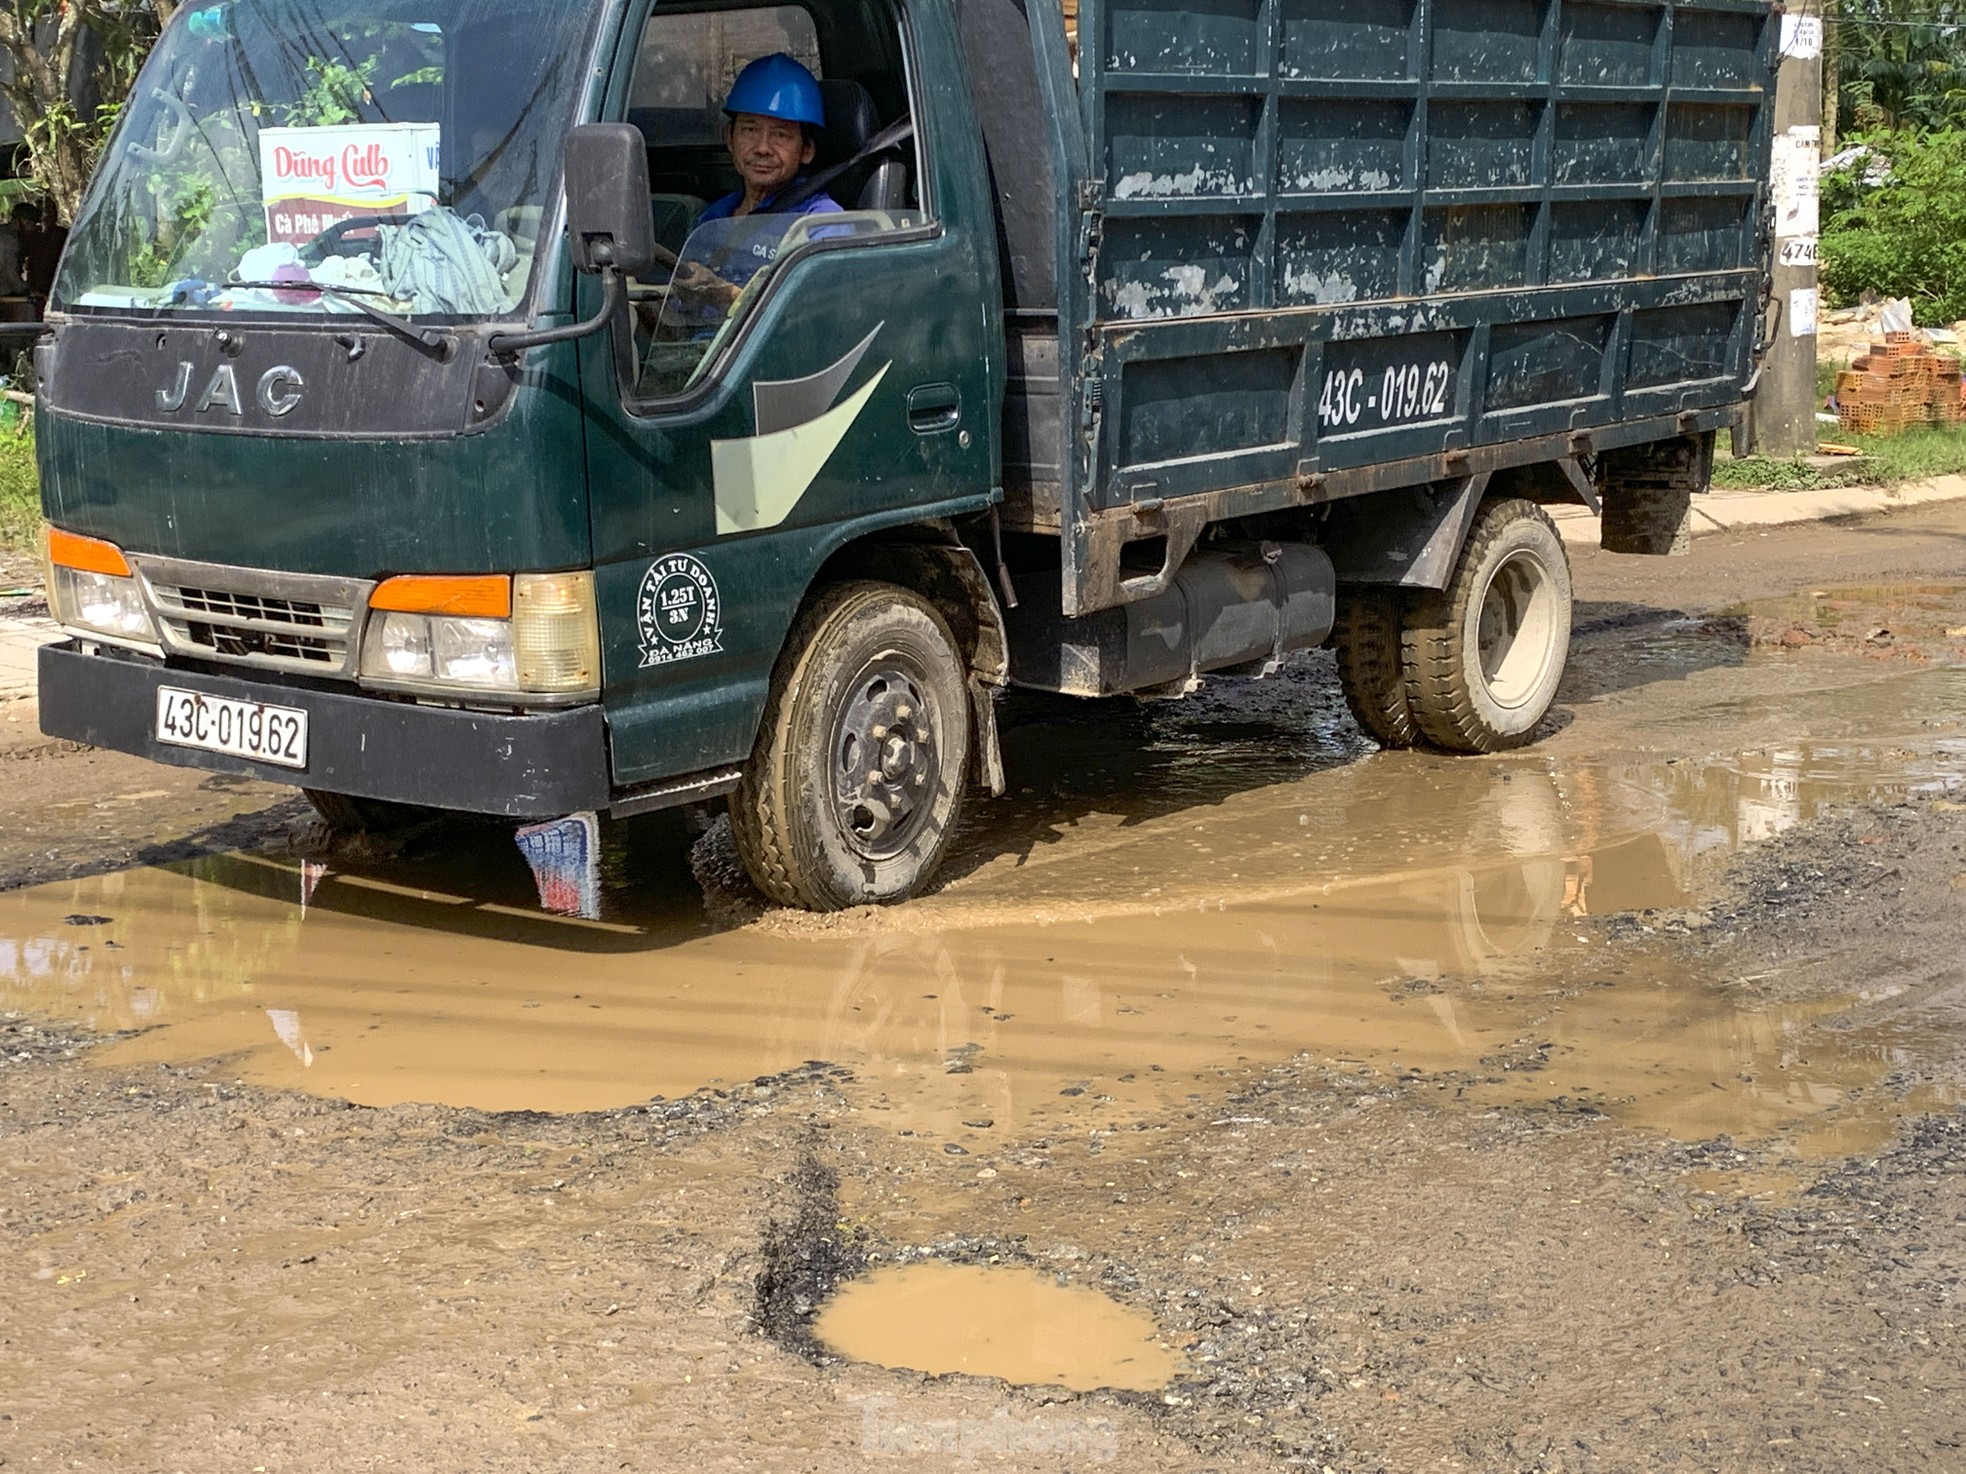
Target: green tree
x=335 y=93
x=1895 y=224
x=1894 y=63
x=60 y=49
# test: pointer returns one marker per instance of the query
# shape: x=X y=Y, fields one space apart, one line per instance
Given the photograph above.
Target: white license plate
x=267 y=734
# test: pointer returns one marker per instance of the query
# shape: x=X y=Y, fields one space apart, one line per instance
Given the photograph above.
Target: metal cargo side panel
x=1333 y=237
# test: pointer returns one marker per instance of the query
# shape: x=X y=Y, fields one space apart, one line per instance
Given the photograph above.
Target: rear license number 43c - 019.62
x=1361 y=398
x=248 y=729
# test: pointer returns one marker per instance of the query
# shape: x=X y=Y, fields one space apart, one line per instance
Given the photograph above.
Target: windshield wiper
x=441 y=339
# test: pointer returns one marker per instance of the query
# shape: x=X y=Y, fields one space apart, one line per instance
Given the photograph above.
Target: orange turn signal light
x=478 y=596
x=88 y=554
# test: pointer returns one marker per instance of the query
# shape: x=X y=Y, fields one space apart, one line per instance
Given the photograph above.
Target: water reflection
x=1387 y=914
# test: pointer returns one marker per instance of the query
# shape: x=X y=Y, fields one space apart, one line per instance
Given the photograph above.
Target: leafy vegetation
x=20 y=490
x=334 y=93
x=57 y=50
x=1894 y=64
x=1894 y=221
x=1886 y=460
x=1765 y=473
x=1913 y=455
x=1903 y=235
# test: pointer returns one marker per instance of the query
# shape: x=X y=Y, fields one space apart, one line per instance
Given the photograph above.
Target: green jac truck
x=394 y=444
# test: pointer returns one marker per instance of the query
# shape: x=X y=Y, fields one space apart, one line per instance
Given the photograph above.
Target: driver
x=775 y=114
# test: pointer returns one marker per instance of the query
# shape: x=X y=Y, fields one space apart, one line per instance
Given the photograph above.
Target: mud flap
x=989 y=751
x=1410 y=537
x=565 y=858
x=1648 y=494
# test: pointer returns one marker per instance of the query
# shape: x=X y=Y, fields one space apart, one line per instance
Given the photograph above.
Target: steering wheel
x=334 y=240
x=732 y=317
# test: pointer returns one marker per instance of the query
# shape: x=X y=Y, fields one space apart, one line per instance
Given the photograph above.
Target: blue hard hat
x=778 y=87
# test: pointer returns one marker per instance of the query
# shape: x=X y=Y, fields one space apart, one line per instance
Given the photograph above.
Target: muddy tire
x=1371 y=671
x=1483 y=656
x=349 y=815
x=853 y=790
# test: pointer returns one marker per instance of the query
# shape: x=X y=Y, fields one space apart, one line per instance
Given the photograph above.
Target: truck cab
x=414 y=431
x=417 y=566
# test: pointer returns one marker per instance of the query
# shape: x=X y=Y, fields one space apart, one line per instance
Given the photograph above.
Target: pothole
x=995 y=1320
x=1412 y=915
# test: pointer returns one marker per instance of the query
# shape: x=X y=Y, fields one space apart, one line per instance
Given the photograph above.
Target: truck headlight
x=93 y=591
x=532 y=634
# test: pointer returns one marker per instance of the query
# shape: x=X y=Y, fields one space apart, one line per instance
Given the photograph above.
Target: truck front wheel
x=853 y=789
x=1483 y=656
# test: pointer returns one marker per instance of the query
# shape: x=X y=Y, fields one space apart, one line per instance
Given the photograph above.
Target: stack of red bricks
x=1899 y=385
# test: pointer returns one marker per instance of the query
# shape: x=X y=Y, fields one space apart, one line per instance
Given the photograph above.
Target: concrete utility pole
x=1783 y=419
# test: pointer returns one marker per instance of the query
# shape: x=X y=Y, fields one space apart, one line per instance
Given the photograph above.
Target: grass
x=1886 y=459
x=20 y=491
x=1826 y=372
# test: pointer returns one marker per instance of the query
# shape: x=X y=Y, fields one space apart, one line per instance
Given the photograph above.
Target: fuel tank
x=1228 y=609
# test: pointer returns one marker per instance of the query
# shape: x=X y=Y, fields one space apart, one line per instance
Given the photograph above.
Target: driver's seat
x=851 y=119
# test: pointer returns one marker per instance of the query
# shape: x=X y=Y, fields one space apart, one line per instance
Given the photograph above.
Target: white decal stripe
x=760 y=479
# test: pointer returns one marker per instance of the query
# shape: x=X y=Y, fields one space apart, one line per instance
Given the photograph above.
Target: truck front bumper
x=534 y=766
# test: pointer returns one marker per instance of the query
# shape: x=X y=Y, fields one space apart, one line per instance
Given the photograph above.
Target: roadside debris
x=565 y=856
x=1899 y=384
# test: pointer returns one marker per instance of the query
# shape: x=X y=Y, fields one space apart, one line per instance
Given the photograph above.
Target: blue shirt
x=743 y=249
x=817 y=204
x=751 y=243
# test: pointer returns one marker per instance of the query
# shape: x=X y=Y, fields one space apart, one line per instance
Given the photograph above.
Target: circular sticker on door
x=678 y=612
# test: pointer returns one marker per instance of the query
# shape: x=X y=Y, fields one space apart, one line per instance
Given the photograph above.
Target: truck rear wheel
x=1370 y=668
x=852 y=792
x=1484 y=655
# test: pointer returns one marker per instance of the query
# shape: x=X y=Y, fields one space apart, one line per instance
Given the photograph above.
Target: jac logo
x=278 y=391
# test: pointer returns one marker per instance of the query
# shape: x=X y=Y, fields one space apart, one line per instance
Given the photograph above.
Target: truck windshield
x=405 y=152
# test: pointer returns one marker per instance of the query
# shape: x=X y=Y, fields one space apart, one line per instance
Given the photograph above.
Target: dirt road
x=1247 y=1099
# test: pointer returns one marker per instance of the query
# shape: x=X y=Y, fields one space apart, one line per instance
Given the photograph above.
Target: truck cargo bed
x=1322 y=250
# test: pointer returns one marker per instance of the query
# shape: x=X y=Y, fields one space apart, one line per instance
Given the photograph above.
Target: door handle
x=933 y=408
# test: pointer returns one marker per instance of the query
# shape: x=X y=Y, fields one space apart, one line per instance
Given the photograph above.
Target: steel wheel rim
x=885 y=757
x=1514 y=629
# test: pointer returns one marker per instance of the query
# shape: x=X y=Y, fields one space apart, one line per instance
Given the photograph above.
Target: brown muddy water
x=1395 y=912
x=995 y=1320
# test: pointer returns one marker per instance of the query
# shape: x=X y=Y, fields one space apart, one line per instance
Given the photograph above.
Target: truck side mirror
x=608 y=217
x=609 y=223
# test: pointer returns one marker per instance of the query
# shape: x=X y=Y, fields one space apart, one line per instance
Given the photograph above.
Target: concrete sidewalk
x=1729 y=511
x=19 y=639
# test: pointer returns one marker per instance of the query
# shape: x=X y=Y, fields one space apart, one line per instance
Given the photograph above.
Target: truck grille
x=278 y=621
x=286 y=629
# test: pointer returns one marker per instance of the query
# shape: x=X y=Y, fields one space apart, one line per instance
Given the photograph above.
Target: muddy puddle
x=1392 y=912
x=1877 y=613
x=995 y=1320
